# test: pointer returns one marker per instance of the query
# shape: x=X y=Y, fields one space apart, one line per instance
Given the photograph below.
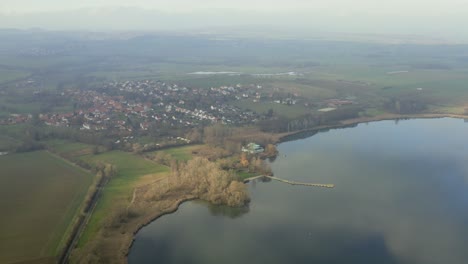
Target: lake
x=401 y=196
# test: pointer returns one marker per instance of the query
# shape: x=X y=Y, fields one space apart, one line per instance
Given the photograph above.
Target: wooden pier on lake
x=291 y=182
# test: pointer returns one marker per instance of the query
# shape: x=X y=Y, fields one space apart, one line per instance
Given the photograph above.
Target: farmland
x=180 y=153
x=41 y=194
x=131 y=170
x=9 y=75
x=379 y=80
x=290 y=111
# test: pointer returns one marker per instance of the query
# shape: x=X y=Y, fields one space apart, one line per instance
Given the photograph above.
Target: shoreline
x=282 y=137
x=151 y=218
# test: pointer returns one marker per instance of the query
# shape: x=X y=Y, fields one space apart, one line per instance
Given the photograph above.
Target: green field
x=41 y=194
x=118 y=192
x=309 y=91
x=131 y=169
x=8 y=143
x=244 y=175
x=180 y=153
x=11 y=75
x=69 y=149
x=290 y=111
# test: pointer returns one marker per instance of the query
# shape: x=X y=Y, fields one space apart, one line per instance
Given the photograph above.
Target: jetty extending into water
x=291 y=182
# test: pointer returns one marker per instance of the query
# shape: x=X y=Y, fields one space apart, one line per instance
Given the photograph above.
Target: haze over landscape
x=429 y=18
x=250 y=131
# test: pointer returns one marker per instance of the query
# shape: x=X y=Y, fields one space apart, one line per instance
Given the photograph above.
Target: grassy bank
x=140 y=192
x=131 y=170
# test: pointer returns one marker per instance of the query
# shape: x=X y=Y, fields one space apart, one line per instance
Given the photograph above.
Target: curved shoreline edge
x=148 y=220
x=283 y=137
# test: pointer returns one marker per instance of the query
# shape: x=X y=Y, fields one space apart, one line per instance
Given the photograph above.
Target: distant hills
x=237 y=23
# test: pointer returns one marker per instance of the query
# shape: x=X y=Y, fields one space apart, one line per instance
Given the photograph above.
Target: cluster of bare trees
x=212 y=153
x=280 y=124
x=254 y=164
x=233 y=138
x=105 y=169
x=270 y=151
x=409 y=104
x=206 y=180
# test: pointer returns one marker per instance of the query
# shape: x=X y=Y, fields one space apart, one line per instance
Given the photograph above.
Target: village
x=128 y=106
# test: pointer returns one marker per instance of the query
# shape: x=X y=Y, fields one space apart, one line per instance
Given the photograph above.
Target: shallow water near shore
x=401 y=196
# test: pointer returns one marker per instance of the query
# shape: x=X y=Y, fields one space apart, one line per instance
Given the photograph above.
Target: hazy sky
x=402 y=7
x=425 y=17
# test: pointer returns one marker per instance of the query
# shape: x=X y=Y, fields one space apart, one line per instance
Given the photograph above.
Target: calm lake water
x=401 y=196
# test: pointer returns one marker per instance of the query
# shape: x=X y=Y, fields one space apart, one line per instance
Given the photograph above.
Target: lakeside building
x=253 y=148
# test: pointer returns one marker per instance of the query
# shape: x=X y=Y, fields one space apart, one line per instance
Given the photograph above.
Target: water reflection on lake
x=401 y=196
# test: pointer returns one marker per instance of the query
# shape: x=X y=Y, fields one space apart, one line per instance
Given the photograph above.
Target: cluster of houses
x=334 y=103
x=130 y=105
x=140 y=105
x=56 y=119
x=286 y=101
x=14 y=119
